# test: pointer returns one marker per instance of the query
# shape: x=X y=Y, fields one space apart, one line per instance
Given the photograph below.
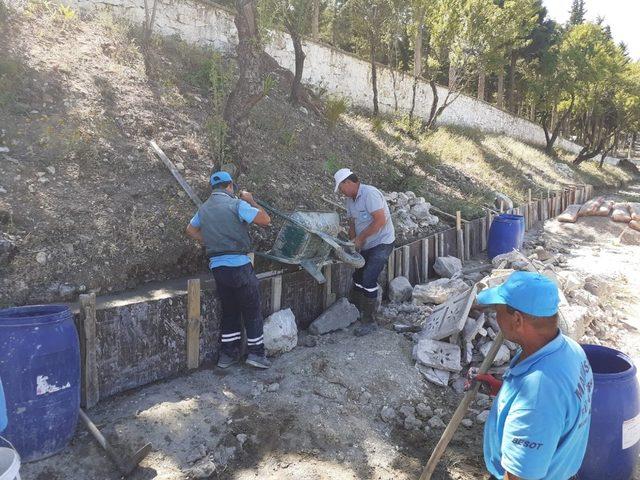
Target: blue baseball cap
x=220 y=177
x=527 y=292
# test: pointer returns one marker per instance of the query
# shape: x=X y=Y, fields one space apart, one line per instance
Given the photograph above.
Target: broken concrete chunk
x=407 y=410
x=542 y=254
x=572 y=320
x=502 y=357
x=437 y=377
x=509 y=257
x=436 y=422
x=400 y=290
x=280 y=332
x=387 y=414
x=438 y=291
x=467 y=423
x=412 y=423
x=448 y=319
x=423 y=410
x=447 y=266
x=203 y=469
x=437 y=355
x=338 y=316
x=482 y=416
x=582 y=297
x=570 y=282
x=472 y=327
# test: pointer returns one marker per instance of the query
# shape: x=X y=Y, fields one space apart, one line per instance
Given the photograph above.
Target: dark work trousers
x=365 y=279
x=240 y=296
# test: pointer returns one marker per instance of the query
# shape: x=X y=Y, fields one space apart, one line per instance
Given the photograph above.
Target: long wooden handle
x=460 y=412
x=101 y=440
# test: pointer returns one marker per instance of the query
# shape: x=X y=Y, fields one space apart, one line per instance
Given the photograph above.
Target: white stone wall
x=339 y=73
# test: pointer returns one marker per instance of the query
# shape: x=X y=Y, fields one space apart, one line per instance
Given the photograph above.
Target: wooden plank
x=328 y=297
x=460 y=244
x=467 y=241
x=86 y=327
x=193 y=323
x=391 y=268
x=483 y=235
x=424 y=256
x=398 y=262
x=458 y=220
x=406 y=262
x=276 y=293
x=176 y=174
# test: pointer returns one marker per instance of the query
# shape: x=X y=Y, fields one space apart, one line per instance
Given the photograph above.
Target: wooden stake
x=483 y=235
x=391 y=268
x=416 y=266
x=86 y=326
x=458 y=220
x=276 y=293
x=424 y=251
x=406 y=261
x=398 y=253
x=467 y=242
x=328 y=297
x=193 y=323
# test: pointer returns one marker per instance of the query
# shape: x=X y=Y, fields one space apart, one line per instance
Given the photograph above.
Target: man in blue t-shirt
x=222 y=225
x=538 y=426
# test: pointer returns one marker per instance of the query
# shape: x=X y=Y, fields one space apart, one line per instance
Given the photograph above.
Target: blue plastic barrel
x=3 y=410
x=40 y=371
x=614 y=437
x=506 y=233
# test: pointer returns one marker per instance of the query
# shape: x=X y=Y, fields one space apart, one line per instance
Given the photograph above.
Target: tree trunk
x=315 y=23
x=511 y=101
x=296 y=86
x=434 y=104
x=417 y=64
x=500 y=94
x=551 y=140
x=249 y=88
x=452 y=76
x=374 y=74
x=482 y=80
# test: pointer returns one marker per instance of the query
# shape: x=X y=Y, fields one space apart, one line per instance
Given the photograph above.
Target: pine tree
x=577 y=12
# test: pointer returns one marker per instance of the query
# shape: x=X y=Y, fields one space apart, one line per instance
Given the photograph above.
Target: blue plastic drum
x=614 y=437
x=40 y=371
x=506 y=234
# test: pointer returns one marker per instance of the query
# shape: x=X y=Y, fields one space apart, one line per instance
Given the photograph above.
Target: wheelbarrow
x=309 y=239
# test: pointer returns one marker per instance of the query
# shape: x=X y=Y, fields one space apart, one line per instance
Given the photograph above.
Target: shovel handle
x=460 y=412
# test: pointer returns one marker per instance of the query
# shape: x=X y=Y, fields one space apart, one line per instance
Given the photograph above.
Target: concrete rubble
x=337 y=317
x=447 y=266
x=400 y=290
x=438 y=291
x=280 y=332
x=411 y=214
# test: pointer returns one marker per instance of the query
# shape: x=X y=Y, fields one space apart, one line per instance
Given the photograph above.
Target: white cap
x=340 y=176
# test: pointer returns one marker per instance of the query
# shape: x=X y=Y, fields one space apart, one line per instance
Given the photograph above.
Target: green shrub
x=335 y=107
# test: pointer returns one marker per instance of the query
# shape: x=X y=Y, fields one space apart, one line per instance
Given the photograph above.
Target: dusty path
x=317 y=413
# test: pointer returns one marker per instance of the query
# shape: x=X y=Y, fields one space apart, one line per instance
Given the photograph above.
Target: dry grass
x=459 y=169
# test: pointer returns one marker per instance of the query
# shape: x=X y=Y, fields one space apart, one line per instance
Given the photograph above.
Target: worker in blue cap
x=538 y=426
x=222 y=225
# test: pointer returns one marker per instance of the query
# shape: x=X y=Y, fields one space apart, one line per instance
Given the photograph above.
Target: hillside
x=85 y=205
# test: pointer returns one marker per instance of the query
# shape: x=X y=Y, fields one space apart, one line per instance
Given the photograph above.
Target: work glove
x=492 y=383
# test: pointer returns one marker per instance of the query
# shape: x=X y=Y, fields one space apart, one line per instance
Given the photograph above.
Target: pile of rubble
x=411 y=215
x=450 y=337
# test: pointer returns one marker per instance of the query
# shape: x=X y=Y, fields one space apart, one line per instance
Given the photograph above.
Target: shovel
x=125 y=465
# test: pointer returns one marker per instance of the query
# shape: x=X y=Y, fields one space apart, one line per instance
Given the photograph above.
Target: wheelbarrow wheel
x=353 y=259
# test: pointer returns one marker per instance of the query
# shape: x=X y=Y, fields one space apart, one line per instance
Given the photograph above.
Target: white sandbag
x=635 y=224
x=621 y=213
x=634 y=209
x=591 y=207
x=570 y=215
x=604 y=209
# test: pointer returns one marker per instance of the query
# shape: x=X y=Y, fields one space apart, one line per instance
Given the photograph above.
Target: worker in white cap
x=371 y=229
